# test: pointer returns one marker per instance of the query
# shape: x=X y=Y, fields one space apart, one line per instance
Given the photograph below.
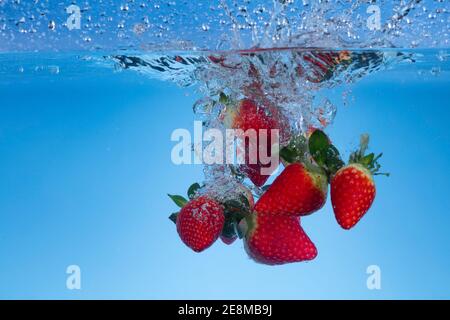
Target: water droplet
x=443 y=56
x=202 y=106
x=20 y=21
x=52 y=25
x=53 y=69
x=139 y=28
x=435 y=71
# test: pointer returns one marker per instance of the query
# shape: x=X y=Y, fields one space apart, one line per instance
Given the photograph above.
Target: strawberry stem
x=369 y=161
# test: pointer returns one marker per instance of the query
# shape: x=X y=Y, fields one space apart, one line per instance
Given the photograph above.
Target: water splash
x=223 y=24
x=283 y=53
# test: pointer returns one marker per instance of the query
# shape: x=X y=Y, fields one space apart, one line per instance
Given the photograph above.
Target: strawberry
x=352 y=194
x=228 y=240
x=247 y=115
x=299 y=190
x=276 y=239
x=200 y=223
x=322 y=65
x=353 y=188
x=200 y=220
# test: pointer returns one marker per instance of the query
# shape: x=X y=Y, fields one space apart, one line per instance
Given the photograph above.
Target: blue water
x=85 y=167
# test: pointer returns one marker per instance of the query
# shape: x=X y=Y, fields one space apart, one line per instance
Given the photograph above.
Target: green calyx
x=295 y=151
x=193 y=190
x=325 y=156
x=236 y=210
x=324 y=153
x=368 y=161
x=318 y=149
x=224 y=99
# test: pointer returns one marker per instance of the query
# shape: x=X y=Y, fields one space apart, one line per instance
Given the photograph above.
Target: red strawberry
x=248 y=115
x=275 y=239
x=228 y=240
x=200 y=223
x=352 y=194
x=299 y=190
x=353 y=188
x=322 y=65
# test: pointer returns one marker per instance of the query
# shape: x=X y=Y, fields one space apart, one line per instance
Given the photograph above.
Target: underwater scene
x=229 y=149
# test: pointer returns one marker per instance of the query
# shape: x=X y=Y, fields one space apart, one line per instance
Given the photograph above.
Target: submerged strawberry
x=200 y=220
x=299 y=190
x=322 y=65
x=353 y=188
x=228 y=240
x=276 y=239
x=247 y=115
x=352 y=194
x=200 y=223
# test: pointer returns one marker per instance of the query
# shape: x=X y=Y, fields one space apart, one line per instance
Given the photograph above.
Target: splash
x=147 y=25
x=287 y=78
x=280 y=53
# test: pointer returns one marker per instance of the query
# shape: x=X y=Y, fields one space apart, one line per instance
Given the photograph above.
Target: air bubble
x=139 y=28
x=435 y=71
x=52 y=25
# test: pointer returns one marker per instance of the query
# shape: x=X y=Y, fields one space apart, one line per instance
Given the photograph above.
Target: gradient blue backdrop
x=85 y=167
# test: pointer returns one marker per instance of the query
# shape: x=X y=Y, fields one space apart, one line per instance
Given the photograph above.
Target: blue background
x=85 y=167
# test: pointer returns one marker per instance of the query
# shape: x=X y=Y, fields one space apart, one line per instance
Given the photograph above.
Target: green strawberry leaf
x=229 y=228
x=287 y=154
x=333 y=159
x=324 y=153
x=295 y=150
x=318 y=146
x=192 y=191
x=179 y=200
x=236 y=208
x=173 y=217
x=368 y=160
x=224 y=99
